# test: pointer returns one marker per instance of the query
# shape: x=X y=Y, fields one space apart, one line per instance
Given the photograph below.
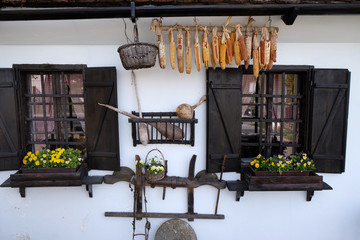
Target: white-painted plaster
x=68 y=213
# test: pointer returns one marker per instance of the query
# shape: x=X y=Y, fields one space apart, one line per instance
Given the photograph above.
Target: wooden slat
x=164 y=215
x=101 y=124
x=9 y=126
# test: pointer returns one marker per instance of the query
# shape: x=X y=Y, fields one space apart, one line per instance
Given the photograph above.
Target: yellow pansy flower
x=257 y=165
x=37 y=163
x=25 y=161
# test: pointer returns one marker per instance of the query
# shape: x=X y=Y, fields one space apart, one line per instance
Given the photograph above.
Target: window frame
x=59 y=103
x=304 y=75
x=102 y=128
x=21 y=71
x=234 y=160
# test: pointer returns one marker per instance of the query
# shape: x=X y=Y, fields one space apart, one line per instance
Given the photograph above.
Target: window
x=286 y=110
x=270 y=114
x=50 y=106
x=54 y=110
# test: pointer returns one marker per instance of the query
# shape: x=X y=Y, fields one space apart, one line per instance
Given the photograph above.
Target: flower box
x=284 y=182
x=49 y=177
x=285 y=173
x=49 y=170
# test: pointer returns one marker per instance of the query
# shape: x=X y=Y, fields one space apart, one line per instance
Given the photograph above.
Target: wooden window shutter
x=328 y=119
x=9 y=125
x=224 y=120
x=102 y=134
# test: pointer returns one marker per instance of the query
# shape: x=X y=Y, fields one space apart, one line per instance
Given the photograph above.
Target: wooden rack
x=186 y=125
x=229 y=27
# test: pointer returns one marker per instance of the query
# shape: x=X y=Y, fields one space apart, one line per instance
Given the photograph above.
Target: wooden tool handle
x=203 y=99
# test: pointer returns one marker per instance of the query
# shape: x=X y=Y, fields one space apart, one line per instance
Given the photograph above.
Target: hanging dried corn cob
x=230 y=48
x=180 y=50
x=197 y=54
x=205 y=48
x=188 y=51
x=223 y=49
x=171 y=48
x=273 y=47
x=237 y=53
x=229 y=44
x=255 y=54
x=215 y=45
x=213 y=63
x=156 y=25
x=241 y=42
x=248 y=43
x=264 y=47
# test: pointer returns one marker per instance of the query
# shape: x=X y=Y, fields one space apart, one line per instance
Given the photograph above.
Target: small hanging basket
x=137 y=55
x=151 y=177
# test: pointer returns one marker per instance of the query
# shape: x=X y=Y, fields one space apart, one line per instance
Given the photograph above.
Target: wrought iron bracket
x=290 y=18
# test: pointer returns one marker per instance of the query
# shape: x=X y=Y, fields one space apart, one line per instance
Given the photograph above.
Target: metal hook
x=133 y=18
x=270 y=20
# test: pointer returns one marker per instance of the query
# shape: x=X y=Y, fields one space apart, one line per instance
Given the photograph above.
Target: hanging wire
x=270 y=20
x=127 y=38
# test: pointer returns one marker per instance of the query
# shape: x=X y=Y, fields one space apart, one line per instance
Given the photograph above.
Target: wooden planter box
x=286 y=173
x=284 y=182
x=48 y=177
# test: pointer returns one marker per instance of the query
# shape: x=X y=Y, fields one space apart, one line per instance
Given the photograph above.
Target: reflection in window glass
x=271 y=110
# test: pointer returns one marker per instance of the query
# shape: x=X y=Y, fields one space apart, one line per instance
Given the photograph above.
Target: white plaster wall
x=68 y=213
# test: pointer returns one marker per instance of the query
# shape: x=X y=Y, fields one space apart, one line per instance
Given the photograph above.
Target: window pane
x=34 y=84
x=291 y=84
x=68 y=109
x=277 y=85
x=39 y=147
x=75 y=83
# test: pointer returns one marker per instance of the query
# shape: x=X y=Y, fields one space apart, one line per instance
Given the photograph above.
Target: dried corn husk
x=172 y=48
x=273 y=45
x=264 y=47
x=215 y=45
x=188 y=51
x=255 y=53
x=156 y=25
x=205 y=49
x=223 y=49
x=213 y=63
x=180 y=50
x=248 y=43
x=197 y=53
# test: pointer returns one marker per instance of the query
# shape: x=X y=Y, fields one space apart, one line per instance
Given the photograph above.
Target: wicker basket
x=138 y=55
x=150 y=177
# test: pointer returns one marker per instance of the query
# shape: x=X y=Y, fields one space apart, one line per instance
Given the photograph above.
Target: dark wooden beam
x=17 y=14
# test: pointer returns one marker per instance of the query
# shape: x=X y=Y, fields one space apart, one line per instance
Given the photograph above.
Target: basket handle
x=136 y=33
x=155 y=149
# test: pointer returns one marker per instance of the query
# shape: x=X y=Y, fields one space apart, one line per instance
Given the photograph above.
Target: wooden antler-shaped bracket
x=191 y=182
